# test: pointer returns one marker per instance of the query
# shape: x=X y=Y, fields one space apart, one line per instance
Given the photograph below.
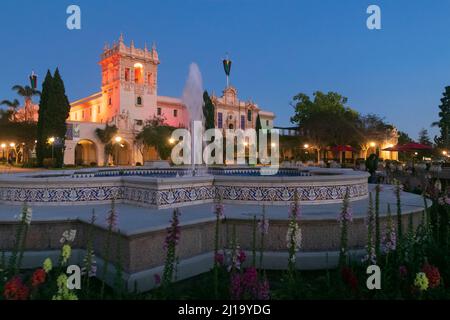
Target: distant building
x=288 y=131
x=128 y=98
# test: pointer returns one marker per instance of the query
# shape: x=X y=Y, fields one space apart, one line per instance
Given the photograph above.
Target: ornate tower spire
x=154 y=52
x=227 y=68
x=121 y=38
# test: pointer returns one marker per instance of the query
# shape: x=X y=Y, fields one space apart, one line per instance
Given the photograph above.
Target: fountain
x=193 y=100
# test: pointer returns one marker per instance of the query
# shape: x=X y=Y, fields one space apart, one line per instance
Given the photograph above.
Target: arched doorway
x=121 y=153
x=150 y=154
x=85 y=153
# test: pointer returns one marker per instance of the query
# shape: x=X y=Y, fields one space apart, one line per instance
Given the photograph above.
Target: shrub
x=49 y=163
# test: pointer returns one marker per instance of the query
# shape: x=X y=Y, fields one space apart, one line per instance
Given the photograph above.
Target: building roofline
x=168 y=99
x=86 y=99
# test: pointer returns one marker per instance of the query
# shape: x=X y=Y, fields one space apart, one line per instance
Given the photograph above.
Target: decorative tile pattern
x=60 y=194
x=149 y=195
x=306 y=193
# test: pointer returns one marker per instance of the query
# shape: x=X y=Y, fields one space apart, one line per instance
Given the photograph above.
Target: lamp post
x=118 y=140
x=13 y=146
x=3 y=145
x=51 y=141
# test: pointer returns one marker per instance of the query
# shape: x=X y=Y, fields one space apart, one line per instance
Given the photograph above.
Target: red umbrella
x=394 y=148
x=411 y=146
x=414 y=146
x=342 y=148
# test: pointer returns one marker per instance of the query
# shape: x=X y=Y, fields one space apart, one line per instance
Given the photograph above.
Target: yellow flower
x=421 y=281
x=63 y=291
x=65 y=253
x=47 y=265
x=61 y=282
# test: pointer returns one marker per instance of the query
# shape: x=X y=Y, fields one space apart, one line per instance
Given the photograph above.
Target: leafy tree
x=443 y=140
x=156 y=134
x=326 y=120
x=372 y=128
x=23 y=133
x=424 y=138
x=208 y=111
x=403 y=138
x=105 y=136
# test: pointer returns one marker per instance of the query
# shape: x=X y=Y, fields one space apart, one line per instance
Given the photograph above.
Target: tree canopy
x=156 y=134
x=424 y=137
x=23 y=133
x=326 y=119
x=443 y=124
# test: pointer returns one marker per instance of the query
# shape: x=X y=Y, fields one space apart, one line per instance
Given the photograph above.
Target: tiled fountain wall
x=163 y=192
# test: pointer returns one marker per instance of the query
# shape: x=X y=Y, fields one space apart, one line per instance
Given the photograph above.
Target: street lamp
x=373 y=144
x=171 y=140
x=51 y=141
x=118 y=140
x=306 y=146
x=3 y=145
x=13 y=146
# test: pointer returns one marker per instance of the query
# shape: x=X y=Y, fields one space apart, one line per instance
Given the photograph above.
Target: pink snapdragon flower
x=219 y=210
x=346 y=215
x=263 y=225
x=173 y=232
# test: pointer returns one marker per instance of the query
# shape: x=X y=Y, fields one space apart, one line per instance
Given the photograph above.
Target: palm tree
x=12 y=105
x=105 y=136
x=27 y=93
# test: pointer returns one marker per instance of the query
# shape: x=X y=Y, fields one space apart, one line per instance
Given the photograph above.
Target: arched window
x=149 y=79
x=138 y=73
x=139 y=101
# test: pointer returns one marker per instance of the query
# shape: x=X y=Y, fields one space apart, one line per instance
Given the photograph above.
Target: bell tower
x=129 y=81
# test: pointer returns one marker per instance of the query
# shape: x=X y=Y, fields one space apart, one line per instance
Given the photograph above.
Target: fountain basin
x=164 y=188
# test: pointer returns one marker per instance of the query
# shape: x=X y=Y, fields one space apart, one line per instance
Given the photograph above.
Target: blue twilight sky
x=278 y=48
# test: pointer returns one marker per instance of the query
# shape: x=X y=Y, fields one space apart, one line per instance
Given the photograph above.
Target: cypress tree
x=258 y=128
x=54 y=110
x=60 y=113
x=208 y=111
x=444 y=120
x=41 y=145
